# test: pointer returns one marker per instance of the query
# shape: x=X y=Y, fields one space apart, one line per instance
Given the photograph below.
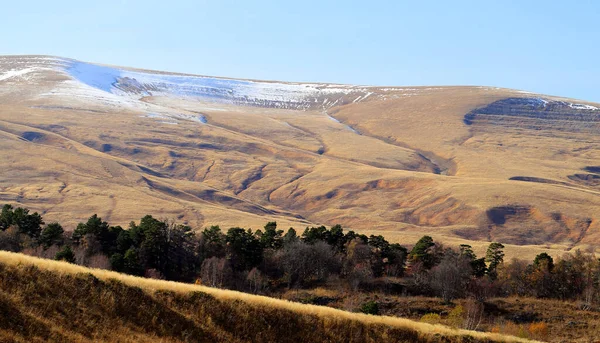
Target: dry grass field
x=562 y=321
x=50 y=301
x=402 y=162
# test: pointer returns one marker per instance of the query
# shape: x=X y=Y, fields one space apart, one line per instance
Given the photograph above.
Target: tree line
x=269 y=259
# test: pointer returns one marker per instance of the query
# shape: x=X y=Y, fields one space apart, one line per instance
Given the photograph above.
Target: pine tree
x=65 y=254
x=421 y=253
x=494 y=257
x=51 y=234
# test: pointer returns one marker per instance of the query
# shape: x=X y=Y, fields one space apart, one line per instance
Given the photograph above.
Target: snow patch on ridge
x=174 y=117
x=17 y=73
x=94 y=75
x=541 y=102
x=137 y=84
x=583 y=107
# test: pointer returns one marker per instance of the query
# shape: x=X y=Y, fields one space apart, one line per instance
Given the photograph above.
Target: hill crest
x=165 y=304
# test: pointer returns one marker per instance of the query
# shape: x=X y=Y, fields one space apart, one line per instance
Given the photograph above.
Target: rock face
x=460 y=163
x=538 y=113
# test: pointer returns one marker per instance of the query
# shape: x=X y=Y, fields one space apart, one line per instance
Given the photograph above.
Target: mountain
x=463 y=164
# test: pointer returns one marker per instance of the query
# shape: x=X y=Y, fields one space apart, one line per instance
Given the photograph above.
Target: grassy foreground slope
x=49 y=301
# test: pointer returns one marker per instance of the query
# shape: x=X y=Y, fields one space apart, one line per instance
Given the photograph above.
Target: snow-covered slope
x=124 y=87
x=268 y=94
x=127 y=84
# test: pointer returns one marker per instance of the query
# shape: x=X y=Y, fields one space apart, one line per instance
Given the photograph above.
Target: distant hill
x=470 y=164
x=49 y=301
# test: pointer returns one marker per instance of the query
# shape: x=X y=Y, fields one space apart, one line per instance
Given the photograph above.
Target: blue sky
x=550 y=47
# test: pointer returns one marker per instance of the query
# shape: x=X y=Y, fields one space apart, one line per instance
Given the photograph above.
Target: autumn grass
x=197 y=309
x=379 y=187
x=542 y=319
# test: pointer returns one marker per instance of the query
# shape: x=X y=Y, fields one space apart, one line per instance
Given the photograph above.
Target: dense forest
x=270 y=259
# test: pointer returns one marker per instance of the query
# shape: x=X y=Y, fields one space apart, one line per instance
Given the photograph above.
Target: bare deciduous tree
x=215 y=272
x=256 y=281
x=303 y=262
x=474 y=312
x=357 y=265
x=99 y=261
x=450 y=278
x=11 y=239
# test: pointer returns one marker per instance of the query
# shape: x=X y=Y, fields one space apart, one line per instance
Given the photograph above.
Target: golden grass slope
x=44 y=300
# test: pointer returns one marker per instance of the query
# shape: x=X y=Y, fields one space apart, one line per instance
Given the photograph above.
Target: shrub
x=538 y=330
x=431 y=318
x=65 y=254
x=455 y=317
x=370 y=307
x=516 y=330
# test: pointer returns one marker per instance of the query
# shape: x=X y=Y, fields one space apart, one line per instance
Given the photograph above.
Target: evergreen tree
x=271 y=238
x=351 y=235
x=477 y=264
x=315 y=234
x=467 y=252
x=479 y=268
x=396 y=260
x=182 y=261
x=421 y=253
x=131 y=262
x=244 y=250
x=51 y=235
x=379 y=243
x=494 y=257
x=110 y=244
x=212 y=243
x=29 y=224
x=544 y=260
x=117 y=262
x=336 y=238
x=153 y=249
x=65 y=254
x=123 y=242
x=6 y=217
x=95 y=227
x=290 y=237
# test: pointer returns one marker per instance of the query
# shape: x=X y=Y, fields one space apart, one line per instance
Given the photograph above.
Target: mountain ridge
x=398 y=161
x=389 y=86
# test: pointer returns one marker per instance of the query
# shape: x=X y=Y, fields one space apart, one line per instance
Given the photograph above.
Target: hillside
x=49 y=301
x=468 y=164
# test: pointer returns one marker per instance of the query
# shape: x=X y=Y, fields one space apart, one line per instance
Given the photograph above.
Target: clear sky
x=550 y=47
